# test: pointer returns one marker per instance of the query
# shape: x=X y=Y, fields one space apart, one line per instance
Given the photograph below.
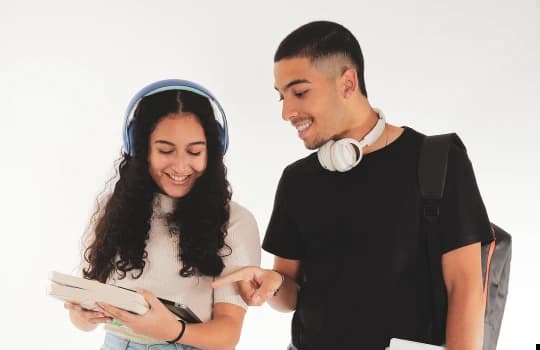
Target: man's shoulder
x=406 y=144
x=301 y=167
x=412 y=134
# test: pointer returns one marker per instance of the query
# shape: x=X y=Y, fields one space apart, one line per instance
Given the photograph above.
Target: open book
x=87 y=292
x=401 y=344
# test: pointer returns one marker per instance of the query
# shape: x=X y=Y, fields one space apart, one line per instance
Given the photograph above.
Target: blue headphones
x=168 y=85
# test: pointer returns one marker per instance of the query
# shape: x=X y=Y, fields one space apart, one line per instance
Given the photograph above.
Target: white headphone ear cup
x=343 y=155
x=324 y=156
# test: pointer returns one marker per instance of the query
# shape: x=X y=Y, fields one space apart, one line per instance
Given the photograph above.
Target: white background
x=68 y=69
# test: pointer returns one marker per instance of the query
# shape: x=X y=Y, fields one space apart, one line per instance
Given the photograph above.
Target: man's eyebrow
x=292 y=83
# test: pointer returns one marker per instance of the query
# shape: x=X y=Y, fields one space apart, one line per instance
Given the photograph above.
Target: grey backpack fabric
x=496 y=256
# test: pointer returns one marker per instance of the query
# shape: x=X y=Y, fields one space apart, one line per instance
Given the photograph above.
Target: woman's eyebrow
x=194 y=143
x=165 y=142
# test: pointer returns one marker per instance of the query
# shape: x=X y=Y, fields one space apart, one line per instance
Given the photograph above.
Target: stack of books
x=85 y=292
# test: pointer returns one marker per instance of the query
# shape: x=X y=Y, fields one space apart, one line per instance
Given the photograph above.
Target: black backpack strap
x=432 y=165
x=432 y=170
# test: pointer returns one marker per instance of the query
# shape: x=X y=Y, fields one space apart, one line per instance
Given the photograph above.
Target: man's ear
x=348 y=82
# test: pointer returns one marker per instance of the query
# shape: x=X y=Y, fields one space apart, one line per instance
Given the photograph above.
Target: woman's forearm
x=220 y=333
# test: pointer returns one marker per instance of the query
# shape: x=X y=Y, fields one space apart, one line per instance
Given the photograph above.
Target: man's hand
x=256 y=285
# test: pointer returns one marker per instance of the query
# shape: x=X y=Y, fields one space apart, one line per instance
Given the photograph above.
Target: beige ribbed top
x=161 y=272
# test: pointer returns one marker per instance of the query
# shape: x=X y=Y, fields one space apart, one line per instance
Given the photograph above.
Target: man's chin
x=313 y=145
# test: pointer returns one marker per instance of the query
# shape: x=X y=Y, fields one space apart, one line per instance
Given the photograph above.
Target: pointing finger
x=244 y=274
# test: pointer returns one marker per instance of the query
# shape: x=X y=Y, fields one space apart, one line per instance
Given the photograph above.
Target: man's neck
x=362 y=119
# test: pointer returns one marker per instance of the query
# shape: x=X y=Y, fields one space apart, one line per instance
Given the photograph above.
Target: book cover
x=87 y=292
x=402 y=344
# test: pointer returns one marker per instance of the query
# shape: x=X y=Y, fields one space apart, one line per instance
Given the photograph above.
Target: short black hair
x=322 y=39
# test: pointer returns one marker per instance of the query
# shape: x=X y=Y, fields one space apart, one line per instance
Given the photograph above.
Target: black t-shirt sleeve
x=463 y=217
x=282 y=236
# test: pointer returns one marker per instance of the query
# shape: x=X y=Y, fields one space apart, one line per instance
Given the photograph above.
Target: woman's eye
x=165 y=152
x=300 y=93
x=194 y=153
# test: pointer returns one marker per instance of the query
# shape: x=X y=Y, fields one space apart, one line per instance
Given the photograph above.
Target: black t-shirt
x=364 y=262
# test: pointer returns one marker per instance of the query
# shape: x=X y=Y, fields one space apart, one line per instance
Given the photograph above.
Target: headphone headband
x=169 y=85
x=344 y=154
x=376 y=131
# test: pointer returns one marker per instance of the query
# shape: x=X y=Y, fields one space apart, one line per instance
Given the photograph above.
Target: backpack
x=496 y=255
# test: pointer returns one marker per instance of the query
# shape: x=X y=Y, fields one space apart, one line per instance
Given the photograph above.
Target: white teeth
x=303 y=126
x=177 y=178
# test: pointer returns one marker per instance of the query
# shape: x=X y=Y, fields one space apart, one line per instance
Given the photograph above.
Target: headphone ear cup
x=343 y=155
x=223 y=137
x=324 y=156
x=128 y=142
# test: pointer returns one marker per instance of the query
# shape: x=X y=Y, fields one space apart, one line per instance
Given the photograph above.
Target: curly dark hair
x=121 y=227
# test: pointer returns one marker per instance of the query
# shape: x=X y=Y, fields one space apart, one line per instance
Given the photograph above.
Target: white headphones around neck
x=343 y=155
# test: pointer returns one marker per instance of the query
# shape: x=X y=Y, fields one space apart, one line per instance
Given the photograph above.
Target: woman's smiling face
x=177 y=153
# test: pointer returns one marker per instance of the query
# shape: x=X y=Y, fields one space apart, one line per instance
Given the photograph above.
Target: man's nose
x=288 y=111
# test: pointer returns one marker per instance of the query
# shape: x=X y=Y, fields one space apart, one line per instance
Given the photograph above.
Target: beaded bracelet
x=281 y=284
x=179 y=334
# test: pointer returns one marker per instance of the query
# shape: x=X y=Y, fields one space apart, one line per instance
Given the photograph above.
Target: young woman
x=169 y=227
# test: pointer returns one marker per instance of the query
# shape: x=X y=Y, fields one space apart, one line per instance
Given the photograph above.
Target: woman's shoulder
x=241 y=220
x=243 y=236
x=238 y=211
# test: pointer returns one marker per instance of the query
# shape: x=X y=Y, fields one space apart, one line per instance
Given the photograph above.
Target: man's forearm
x=465 y=322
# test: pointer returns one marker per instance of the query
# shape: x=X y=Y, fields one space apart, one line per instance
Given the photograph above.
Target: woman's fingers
x=91 y=316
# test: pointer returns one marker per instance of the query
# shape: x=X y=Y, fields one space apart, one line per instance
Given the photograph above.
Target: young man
x=350 y=257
